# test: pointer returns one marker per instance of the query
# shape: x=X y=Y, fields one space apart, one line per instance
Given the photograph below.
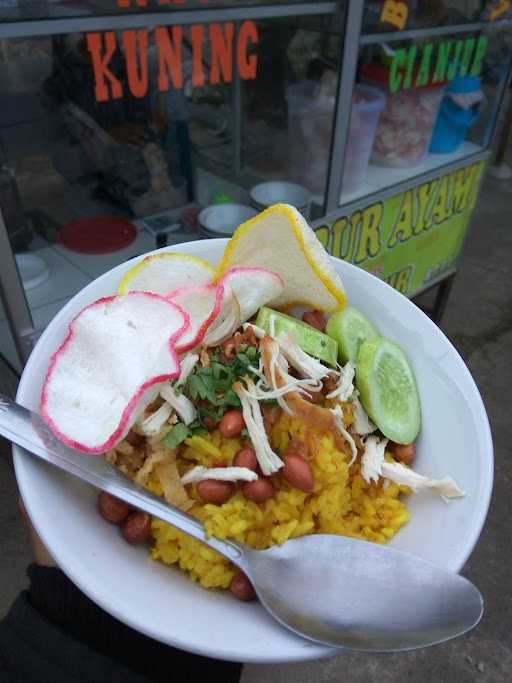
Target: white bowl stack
x=221 y=220
x=266 y=194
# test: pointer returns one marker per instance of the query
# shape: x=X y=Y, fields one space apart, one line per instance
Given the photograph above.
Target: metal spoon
x=332 y=589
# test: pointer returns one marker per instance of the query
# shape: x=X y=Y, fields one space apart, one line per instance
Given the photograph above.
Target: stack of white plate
x=221 y=220
x=277 y=191
x=33 y=270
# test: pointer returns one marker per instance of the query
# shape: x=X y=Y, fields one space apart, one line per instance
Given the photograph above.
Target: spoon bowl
x=358 y=595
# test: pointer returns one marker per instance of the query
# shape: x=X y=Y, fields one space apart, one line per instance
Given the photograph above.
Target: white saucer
x=33 y=270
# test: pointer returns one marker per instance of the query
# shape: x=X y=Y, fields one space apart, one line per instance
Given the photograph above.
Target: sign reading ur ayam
x=227 y=49
x=412 y=238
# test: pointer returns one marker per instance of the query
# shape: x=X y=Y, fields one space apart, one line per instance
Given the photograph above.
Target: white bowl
x=160 y=601
x=276 y=191
x=222 y=220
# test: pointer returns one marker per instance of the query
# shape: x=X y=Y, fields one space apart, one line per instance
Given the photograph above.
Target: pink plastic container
x=406 y=123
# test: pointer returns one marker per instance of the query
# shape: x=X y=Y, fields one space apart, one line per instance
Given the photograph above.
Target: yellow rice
x=342 y=502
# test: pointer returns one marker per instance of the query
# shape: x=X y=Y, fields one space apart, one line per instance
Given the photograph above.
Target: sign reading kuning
x=410 y=239
x=227 y=49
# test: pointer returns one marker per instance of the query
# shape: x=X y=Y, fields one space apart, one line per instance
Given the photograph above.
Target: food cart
x=132 y=124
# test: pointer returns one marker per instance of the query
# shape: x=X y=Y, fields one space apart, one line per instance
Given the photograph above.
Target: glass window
x=112 y=143
x=276 y=128
x=420 y=104
x=397 y=15
x=25 y=10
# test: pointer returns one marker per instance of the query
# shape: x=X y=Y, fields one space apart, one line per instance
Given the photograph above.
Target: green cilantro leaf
x=211 y=388
x=176 y=435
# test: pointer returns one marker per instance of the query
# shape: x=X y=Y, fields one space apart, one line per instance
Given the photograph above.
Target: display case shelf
x=380 y=178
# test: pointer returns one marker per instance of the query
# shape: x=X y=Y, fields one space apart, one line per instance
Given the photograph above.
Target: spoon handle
x=28 y=430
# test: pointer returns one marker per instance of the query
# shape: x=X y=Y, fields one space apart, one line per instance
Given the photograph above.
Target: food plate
x=455 y=440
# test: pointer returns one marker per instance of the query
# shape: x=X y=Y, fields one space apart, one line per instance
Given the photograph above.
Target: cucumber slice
x=350 y=328
x=309 y=339
x=388 y=389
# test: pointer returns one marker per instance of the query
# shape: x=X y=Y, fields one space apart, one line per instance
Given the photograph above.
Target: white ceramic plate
x=33 y=270
x=160 y=601
x=221 y=220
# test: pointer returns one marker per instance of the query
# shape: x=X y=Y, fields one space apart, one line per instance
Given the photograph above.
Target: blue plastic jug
x=453 y=122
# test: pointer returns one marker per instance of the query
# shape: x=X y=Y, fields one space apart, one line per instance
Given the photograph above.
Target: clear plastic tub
x=405 y=126
x=310 y=118
x=367 y=104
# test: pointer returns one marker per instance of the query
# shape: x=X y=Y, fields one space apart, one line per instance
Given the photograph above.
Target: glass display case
x=121 y=122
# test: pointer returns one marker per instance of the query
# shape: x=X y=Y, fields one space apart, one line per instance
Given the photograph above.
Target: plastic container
x=221 y=220
x=367 y=104
x=459 y=110
x=264 y=195
x=406 y=124
x=310 y=118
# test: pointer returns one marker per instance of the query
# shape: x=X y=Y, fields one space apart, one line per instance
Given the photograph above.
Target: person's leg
x=59 y=624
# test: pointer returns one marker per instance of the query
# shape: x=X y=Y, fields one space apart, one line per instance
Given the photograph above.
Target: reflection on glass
x=92 y=129
x=396 y=15
x=24 y=10
x=124 y=152
x=440 y=98
x=288 y=111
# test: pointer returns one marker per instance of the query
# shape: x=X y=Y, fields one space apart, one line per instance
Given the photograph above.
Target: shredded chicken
x=275 y=381
x=373 y=458
x=200 y=473
x=402 y=475
x=373 y=466
x=187 y=364
x=154 y=422
x=318 y=417
x=169 y=478
x=259 y=332
x=345 y=387
x=338 y=420
x=299 y=359
x=269 y=461
x=362 y=423
x=181 y=404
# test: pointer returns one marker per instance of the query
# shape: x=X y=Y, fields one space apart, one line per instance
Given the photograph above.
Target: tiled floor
x=69 y=272
x=65 y=280
x=97 y=264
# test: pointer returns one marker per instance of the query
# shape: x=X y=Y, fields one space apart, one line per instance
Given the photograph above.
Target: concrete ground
x=478 y=320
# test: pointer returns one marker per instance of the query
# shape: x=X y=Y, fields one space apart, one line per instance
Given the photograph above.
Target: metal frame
x=380 y=195
x=444 y=287
x=236 y=109
x=435 y=31
x=13 y=297
x=341 y=121
x=150 y=20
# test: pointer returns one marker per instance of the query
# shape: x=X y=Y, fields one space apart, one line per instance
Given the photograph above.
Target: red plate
x=99 y=235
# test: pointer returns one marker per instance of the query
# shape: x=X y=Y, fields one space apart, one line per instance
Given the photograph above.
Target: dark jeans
x=53 y=633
